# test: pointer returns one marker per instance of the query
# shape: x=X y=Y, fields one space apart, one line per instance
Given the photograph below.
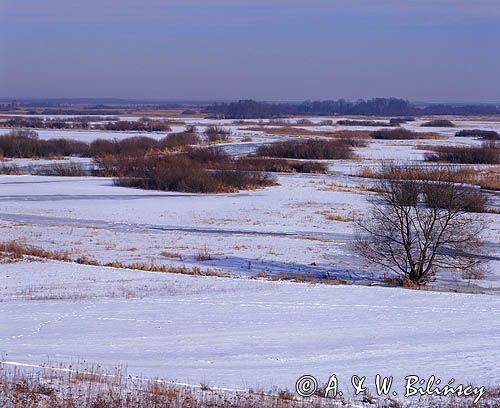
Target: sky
x=423 y=50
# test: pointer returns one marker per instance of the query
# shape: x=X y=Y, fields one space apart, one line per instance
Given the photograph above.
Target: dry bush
x=398 y=121
x=175 y=140
x=25 y=143
x=64 y=169
x=204 y=255
x=211 y=156
x=309 y=149
x=130 y=146
x=350 y=134
x=350 y=122
x=482 y=134
x=487 y=153
x=147 y=125
x=181 y=173
x=278 y=165
x=216 y=133
x=438 y=123
x=10 y=169
x=403 y=134
x=303 y=122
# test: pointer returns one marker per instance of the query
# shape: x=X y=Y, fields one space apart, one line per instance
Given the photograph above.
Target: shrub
x=401 y=134
x=438 y=123
x=210 y=155
x=129 y=146
x=326 y=122
x=11 y=169
x=138 y=126
x=179 y=173
x=483 y=134
x=309 y=149
x=303 y=122
x=278 y=165
x=488 y=153
x=348 y=122
x=25 y=143
x=179 y=139
x=216 y=133
x=398 y=121
x=64 y=169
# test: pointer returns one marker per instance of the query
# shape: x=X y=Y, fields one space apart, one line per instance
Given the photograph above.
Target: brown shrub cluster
x=216 y=134
x=71 y=169
x=438 y=123
x=433 y=183
x=279 y=165
x=482 y=134
x=26 y=143
x=309 y=149
x=403 y=134
x=487 y=153
x=180 y=172
x=350 y=122
x=138 y=126
x=180 y=139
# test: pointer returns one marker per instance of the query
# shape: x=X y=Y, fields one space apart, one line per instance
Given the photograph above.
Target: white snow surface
x=240 y=333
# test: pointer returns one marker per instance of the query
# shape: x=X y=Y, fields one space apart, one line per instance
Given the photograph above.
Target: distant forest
x=250 y=109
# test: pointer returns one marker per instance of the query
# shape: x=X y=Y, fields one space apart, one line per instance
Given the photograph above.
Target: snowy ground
x=242 y=333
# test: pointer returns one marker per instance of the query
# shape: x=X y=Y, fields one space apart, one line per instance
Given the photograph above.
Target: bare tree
x=422 y=223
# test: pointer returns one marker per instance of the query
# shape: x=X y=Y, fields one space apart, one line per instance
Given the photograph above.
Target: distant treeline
x=250 y=109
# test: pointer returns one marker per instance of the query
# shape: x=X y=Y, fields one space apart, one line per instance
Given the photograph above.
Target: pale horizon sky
x=442 y=50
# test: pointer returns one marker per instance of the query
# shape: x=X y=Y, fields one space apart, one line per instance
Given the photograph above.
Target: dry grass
x=458 y=174
x=490 y=181
x=335 y=217
x=13 y=250
x=488 y=178
x=291 y=130
x=63 y=387
x=168 y=254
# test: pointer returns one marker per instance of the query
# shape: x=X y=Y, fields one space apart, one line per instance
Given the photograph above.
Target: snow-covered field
x=239 y=332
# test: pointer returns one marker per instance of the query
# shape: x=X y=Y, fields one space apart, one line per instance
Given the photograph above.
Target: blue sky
x=231 y=49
